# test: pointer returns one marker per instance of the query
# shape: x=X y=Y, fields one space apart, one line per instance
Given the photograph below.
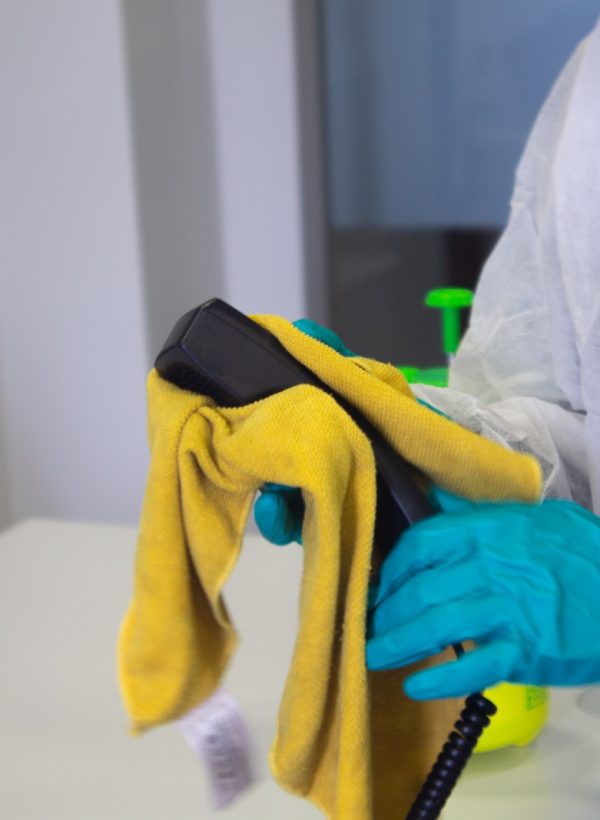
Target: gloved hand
x=279 y=510
x=522 y=581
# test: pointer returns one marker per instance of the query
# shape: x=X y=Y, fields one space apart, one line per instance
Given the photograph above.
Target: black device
x=217 y=351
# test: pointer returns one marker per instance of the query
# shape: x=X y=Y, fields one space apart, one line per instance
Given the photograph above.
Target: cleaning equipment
x=521 y=716
x=522 y=710
x=197 y=356
x=450 y=302
x=349 y=753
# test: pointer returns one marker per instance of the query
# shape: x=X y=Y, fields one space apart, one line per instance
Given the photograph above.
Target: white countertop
x=64 y=750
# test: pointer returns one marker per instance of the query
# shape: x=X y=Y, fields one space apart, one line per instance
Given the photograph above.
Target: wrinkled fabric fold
x=348 y=740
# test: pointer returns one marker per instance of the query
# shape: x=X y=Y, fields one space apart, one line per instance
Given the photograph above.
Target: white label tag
x=218 y=734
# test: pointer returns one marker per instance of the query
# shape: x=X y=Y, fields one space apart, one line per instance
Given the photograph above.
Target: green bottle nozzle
x=450 y=301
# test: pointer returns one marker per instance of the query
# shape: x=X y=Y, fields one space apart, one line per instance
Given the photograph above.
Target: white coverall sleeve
x=527 y=373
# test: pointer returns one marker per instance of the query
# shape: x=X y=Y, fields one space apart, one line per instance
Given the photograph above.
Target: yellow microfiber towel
x=347 y=740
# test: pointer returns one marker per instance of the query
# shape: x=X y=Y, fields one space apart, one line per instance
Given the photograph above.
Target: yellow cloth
x=347 y=740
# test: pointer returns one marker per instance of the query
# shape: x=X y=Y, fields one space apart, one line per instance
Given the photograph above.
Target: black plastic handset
x=218 y=351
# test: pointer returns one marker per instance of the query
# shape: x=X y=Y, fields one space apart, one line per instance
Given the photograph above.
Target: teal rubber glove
x=279 y=510
x=521 y=581
x=323 y=334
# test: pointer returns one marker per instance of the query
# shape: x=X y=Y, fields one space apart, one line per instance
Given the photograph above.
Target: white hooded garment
x=528 y=370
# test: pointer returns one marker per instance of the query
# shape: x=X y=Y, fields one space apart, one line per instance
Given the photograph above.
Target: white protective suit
x=528 y=370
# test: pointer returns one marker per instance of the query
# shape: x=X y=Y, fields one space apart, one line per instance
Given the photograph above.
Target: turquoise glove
x=279 y=510
x=521 y=581
x=323 y=334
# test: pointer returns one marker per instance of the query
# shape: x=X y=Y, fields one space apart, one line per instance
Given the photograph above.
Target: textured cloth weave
x=346 y=739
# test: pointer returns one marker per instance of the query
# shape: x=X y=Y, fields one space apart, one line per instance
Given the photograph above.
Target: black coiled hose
x=453 y=758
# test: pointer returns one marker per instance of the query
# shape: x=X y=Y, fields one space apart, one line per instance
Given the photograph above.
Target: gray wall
x=174 y=149
x=5 y=502
x=225 y=119
x=73 y=351
x=150 y=158
x=429 y=103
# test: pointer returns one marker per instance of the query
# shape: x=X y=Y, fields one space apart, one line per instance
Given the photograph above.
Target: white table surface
x=64 y=750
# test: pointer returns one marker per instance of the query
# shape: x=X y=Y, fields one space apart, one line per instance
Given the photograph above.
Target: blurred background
x=334 y=159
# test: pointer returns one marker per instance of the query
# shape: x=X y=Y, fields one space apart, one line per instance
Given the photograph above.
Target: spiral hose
x=453 y=758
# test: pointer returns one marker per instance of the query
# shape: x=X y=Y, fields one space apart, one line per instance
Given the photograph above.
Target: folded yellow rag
x=347 y=740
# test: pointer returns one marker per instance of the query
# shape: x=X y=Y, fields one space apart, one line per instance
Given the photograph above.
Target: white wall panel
x=72 y=331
